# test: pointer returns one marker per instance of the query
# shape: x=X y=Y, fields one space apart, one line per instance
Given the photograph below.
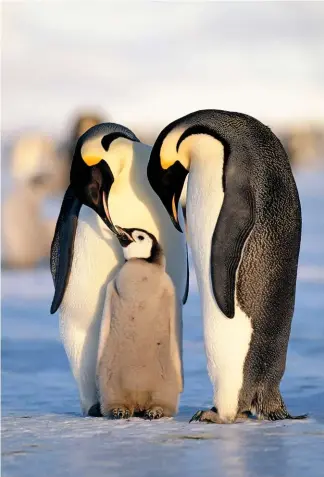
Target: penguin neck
x=131 y=199
x=134 y=167
x=91 y=219
x=157 y=256
x=204 y=201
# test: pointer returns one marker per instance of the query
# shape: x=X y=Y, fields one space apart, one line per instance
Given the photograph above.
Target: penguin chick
x=139 y=368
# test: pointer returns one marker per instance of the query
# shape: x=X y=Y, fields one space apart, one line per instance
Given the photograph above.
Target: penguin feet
x=153 y=413
x=120 y=413
x=210 y=416
x=95 y=410
x=244 y=415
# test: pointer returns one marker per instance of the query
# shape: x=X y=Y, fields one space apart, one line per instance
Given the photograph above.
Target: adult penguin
x=244 y=227
x=109 y=163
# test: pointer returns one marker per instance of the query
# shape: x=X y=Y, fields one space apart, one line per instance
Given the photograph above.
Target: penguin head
x=139 y=243
x=98 y=159
x=172 y=153
x=168 y=167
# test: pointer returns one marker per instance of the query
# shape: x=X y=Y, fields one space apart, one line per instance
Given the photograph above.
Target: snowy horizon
x=145 y=64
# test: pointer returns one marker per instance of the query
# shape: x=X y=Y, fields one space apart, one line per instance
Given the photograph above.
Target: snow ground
x=44 y=434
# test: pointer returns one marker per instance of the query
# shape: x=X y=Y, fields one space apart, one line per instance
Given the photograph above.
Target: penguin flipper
x=235 y=222
x=111 y=299
x=186 y=292
x=63 y=244
x=104 y=364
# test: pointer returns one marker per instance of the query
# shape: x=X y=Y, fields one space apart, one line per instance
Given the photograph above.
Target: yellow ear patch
x=168 y=153
x=167 y=162
x=91 y=160
x=174 y=209
x=92 y=151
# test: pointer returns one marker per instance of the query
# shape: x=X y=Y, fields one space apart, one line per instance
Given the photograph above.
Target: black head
x=139 y=243
x=166 y=173
x=91 y=171
x=170 y=157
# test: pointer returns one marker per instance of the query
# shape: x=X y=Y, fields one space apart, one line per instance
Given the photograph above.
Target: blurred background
x=67 y=67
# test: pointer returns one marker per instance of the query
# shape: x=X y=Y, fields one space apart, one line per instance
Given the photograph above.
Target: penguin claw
x=299 y=418
x=196 y=416
x=120 y=413
x=154 y=413
x=209 y=416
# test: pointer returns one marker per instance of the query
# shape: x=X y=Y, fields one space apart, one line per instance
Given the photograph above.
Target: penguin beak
x=106 y=218
x=124 y=238
x=168 y=184
x=92 y=185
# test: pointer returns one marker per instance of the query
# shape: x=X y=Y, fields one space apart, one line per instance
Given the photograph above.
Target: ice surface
x=44 y=434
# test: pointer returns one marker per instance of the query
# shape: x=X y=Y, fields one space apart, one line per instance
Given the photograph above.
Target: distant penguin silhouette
x=35 y=155
x=139 y=361
x=26 y=232
x=80 y=125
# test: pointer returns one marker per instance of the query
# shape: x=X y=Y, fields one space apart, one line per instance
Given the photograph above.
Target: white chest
x=97 y=257
x=141 y=208
x=226 y=340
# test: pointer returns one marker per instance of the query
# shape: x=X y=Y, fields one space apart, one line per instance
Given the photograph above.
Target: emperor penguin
x=27 y=232
x=139 y=368
x=108 y=184
x=244 y=228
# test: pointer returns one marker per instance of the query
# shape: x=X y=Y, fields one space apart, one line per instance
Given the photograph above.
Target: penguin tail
x=271 y=407
x=281 y=415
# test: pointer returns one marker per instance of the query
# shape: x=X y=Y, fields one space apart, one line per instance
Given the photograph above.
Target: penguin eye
x=140 y=237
